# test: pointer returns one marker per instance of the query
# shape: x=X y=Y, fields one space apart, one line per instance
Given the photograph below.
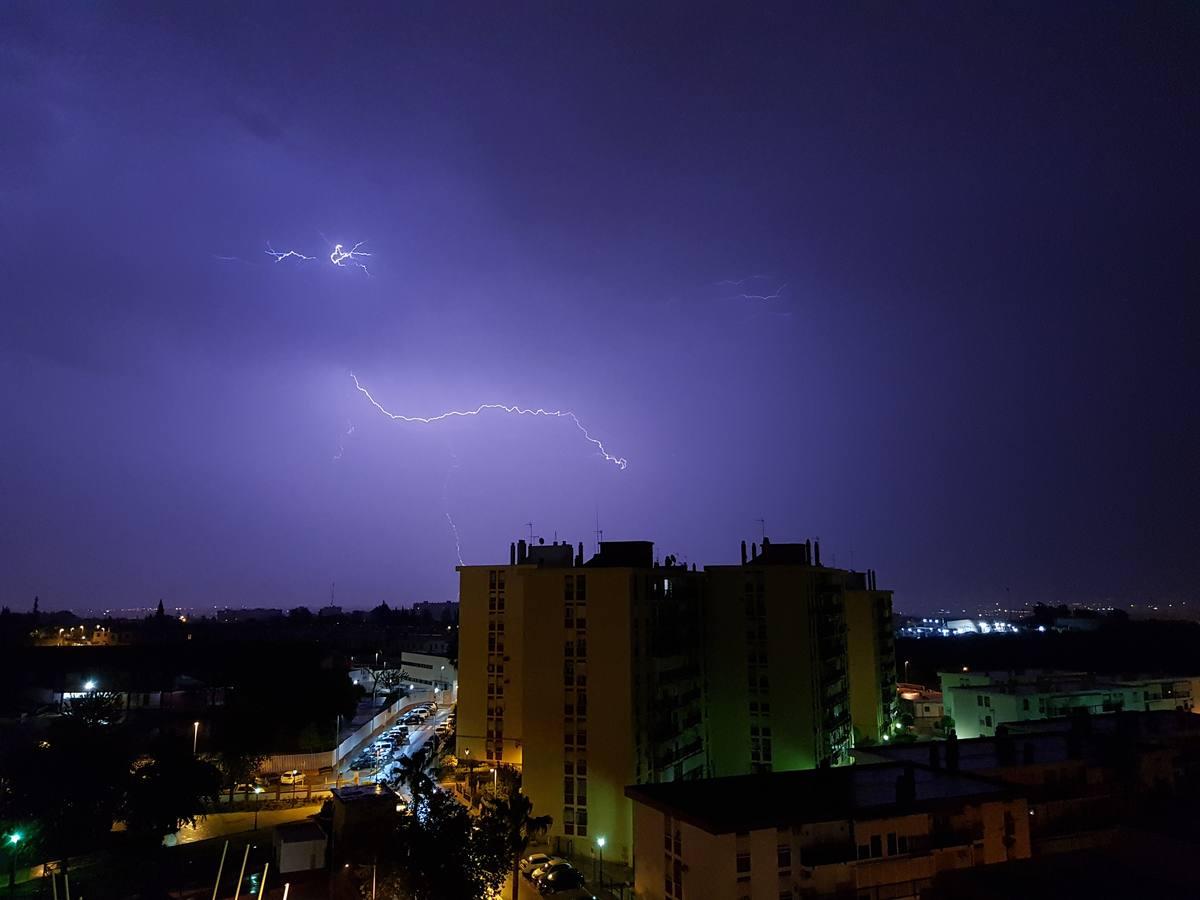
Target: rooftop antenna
x=599 y=533
x=529 y=525
x=762 y=530
x=332 y=586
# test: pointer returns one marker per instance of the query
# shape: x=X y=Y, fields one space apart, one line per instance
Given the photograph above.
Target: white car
x=533 y=861
x=293 y=776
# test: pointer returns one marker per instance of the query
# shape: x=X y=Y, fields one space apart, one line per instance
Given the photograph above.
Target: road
x=418 y=737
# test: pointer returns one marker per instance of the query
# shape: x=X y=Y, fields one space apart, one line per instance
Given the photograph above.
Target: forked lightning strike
x=618 y=461
x=280 y=257
x=341 y=257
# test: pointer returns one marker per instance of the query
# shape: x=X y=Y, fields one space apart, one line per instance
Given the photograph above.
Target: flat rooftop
x=298 y=832
x=783 y=799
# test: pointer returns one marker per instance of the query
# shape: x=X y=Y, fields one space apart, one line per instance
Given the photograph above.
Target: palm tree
x=412 y=773
x=518 y=827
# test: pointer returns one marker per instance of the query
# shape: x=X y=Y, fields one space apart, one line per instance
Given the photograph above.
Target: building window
x=569 y=790
x=989 y=721
x=979 y=699
x=891 y=842
x=784 y=854
x=581 y=823
x=902 y=843
x=568 y=820
x=876 y=846
x=743 y=866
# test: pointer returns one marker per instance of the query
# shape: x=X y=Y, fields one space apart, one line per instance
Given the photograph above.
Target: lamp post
x=13 y=841
x=195 y=736
x=257 y=804
x=600 y=842
x=906 y=671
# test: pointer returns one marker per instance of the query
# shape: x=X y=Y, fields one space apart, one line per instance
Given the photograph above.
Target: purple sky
x=981 y=374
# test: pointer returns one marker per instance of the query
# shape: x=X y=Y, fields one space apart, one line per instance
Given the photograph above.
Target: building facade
x=978 y=702
x=583 y=675
x=872 y=832
x=796 y=653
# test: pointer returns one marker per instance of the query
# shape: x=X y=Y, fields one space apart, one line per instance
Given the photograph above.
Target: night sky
x=975 y=226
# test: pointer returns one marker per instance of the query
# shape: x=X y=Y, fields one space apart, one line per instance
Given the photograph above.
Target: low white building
x=299 y=847
x=425 y=671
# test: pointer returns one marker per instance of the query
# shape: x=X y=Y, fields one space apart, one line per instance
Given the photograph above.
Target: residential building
x=926 y=708
x=871 y=657
x=424 y=670
x=783 y=669
x=978 y=702
x=584 y=676
x=871 y=832
x=1083 y=776
x=590 y=676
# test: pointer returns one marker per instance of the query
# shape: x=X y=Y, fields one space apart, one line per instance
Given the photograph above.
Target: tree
x=96 y=708
x=301 y=615
x=511 y=817
x=166 y=788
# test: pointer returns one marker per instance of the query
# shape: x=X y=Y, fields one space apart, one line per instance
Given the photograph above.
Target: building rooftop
x=298 y=832
x=357 y=793
x=782 y=799
x=1044 y=741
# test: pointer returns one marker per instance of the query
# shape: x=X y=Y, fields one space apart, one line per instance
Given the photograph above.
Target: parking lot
x=380 y=760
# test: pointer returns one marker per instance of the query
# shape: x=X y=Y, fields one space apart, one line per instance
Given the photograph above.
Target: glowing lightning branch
x=280 y=257
x=342 y=257
x=618 y=461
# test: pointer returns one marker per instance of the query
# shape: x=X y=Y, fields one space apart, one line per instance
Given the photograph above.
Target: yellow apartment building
x=585 y=677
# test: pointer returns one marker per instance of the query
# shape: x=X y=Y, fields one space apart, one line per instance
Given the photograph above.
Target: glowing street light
x=13 y=839
x=90 y=684
x=600 y=842
x=258 y=789
x=195 y=736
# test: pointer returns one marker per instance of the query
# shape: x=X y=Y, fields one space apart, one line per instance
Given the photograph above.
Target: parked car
x=533 y=861
x=442 y=728
x=554 y=864
x=560 y=880
x=248 y=787
x=292 y=776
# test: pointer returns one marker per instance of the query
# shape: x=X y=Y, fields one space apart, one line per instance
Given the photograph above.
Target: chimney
x=753 y=550
x=808 y=553
x=816 y=553
x=766 y=542
x=522 y=551
x=579 y=555
x=512 y=554
x=743 y=553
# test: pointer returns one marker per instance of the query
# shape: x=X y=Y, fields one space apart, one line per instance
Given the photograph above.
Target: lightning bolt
x=741 y=282
x=341 y=450
x=280 y=257
x=341 y=257
x=446 y=505
x=618 y=461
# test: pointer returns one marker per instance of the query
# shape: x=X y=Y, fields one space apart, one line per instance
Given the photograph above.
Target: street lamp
x=495 y=781
x=600 y=842
x=13 y=840
x=906 y=671
x=195 y=736
x=90 y=684
x=257 y=804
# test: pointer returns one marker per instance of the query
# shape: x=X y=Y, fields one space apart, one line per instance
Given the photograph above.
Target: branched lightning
x=618 y=461
x=741 y=282
x=341 y=450
x=341 y=257
x=280 y=257
x=446 y=506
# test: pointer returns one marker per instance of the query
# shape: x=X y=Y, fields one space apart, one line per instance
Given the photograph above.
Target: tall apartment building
x=584 y=675
x=871 y=657
x=795 y=654
x=591 y=676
